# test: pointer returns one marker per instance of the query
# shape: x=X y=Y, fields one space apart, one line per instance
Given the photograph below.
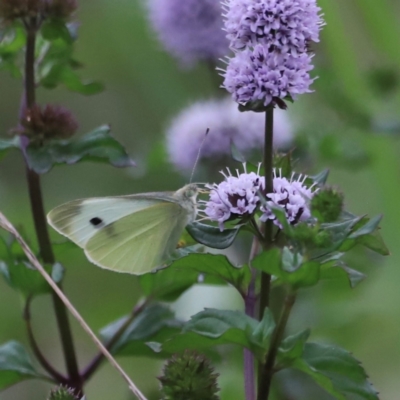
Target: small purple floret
x=260 y=76
x=286 y=26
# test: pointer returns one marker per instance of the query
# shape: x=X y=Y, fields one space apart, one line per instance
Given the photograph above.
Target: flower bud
x=189 y=376
x=52 y=122
x=327 y=205
x=61 y=9
x=62 y=393
x=14 y=9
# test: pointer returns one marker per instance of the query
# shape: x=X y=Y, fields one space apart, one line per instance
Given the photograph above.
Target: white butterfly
x=132 y=234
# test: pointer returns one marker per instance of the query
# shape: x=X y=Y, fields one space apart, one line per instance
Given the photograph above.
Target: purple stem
x=250 y=302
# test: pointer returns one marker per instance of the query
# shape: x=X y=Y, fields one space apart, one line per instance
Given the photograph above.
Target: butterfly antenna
x=198 y=155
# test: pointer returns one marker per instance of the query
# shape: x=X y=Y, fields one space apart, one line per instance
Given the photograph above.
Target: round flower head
x=291 y=195
x=235 y=197
x=226 y=123
x=263 y=77
x=286 y=26
x=191 y=30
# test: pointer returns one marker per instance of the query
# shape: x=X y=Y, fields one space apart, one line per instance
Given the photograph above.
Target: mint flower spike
x=263 y=77
x=285 y=26
x=191 y=30
x=235 y=197
x=293 y=196
x=227 y=124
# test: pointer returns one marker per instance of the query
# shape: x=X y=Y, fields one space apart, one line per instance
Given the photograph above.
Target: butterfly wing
x=140 y=241
x=80 y=220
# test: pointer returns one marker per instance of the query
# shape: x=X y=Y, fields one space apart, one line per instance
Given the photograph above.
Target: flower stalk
x=39 y=216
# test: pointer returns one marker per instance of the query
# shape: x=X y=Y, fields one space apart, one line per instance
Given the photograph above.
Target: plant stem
x=269 y=187
x=39 y=217
x=35 y=347
x=250 y=302
x=268 y=370
x=97 y=360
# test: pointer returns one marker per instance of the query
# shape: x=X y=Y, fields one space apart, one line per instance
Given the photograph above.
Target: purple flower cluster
x=236 y=197
x=271 y=42
x=191 y=30
x=239 y=196
x=261 y=76
x=291 y=195
x=285 y=25
x=226 y=123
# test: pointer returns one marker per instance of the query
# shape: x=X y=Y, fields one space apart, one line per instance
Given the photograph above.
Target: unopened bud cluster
x=62 y=393
x=189 y=376
x=51 y=122
x=14 y=9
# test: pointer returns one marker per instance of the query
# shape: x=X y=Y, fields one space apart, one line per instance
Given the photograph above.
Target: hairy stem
x=39 y=217
x=268 y=370
x=35 y=347
x=97 y=360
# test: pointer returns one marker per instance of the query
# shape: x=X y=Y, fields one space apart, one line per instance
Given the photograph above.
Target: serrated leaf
x=213 y=327
x=292 y=348
x=336 y=371
x=96 y=146
x=211 y=236
x=15 y=365
x=214 y=266
x=269 y=262
x=155 y=324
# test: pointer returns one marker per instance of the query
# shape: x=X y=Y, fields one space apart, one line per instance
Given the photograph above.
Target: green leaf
x=73 y=82
x=214 y=266
x=283 y=163
x=338 y=269
x=53 y=29
x=15 y=365
x=292 y=348
x=23 y=277
x=374 y=242
x=213 y=327
x=336 y=371
x=155 y=324
x=288 y=268
x=10 y=144
x=98 y=146
x=12 y=40
x=321 y=178
x=211 y=236
x=269 y=262
x=371 y=226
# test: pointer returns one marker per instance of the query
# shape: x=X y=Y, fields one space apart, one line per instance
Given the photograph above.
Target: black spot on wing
x=96 y=222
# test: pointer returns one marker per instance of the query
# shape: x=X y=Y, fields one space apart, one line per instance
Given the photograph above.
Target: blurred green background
x=351 y=123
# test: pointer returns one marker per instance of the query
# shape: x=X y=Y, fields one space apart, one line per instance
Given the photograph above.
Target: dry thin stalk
x=5 y=224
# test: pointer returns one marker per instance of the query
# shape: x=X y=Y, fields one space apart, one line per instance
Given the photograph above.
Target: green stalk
x=268 y=370
x=39 y=216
